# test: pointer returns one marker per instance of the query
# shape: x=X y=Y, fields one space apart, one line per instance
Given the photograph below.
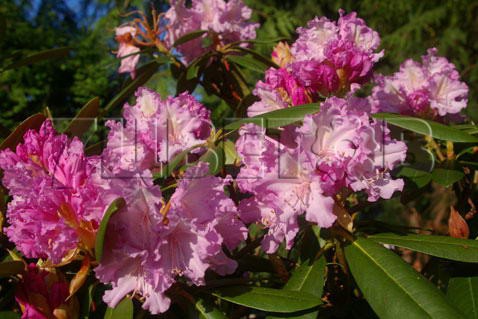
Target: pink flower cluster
x=155 y=131
x=225 y=22
x=430 y=89
x=54 y=209
x=128 y=52
x=336 y=151
x=327 y=58
x=152 y=241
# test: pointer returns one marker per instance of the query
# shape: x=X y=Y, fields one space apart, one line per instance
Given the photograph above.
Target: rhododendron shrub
x=165 y=212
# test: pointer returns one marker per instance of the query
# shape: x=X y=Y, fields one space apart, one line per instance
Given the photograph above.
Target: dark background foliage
x=407 y=29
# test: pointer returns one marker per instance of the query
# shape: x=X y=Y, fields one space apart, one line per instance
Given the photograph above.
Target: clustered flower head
x=327 y=58
x=335 y=152
x=56 y=206
x=225 y=22
x=431 y=89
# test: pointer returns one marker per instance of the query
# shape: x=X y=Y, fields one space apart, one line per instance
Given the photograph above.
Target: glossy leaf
x=34 y=122
x=278 y=117
x=11 y=268
x=446 y=177
x=144 y=73
x=207 y=310
x=84 y=119
x=427 y=127
x=55 y=53
x=420 y=178
x=462 y=292
x=392 y=287
x=124 y=310
x=267 y=299
x=247 y=62
x=188 y=37
x=114 y=207
x=465 y=250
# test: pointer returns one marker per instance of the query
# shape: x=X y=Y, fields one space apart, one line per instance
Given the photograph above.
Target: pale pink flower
x=127 y=51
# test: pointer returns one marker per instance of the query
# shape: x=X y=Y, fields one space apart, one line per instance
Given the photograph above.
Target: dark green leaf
x=392 y=287
x=34 y=122
x=247 y=62
x=441 y=246
x=446 y=177
x=188 y=37
x=427 y=127
x=11 y=268
x=124 y=310
x=215 y=158
x=421 y=178
x=143 y=75
x=462 y=292
x=168 y=168
x=56 y=53
x=267 y=299
x=208 y=310
x=9 y=315
x=278 y=118
x=259 y=57
x=83 y=120
x=115 y=206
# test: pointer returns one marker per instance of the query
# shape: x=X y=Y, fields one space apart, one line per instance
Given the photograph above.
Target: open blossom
x=430 y=89
x=151 y=242
x=155 y=131
x=49 y=178
x=338 y=148
x=327 y=58
x=225 y=22
x=127 y=51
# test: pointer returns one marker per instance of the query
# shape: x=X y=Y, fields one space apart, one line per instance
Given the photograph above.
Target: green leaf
x=392 y=287
x=11 y=268
x=56 y=53
x=230 y=152
x=462 y=292
x=215 y=158
x=465 y=250
x=188 y=37
x=259 y=57
x=124 y=310
x=144 y=73
x=168 y=168
x=9 y=315
x=83 y=120
x=309 y=278
x=34 y=122
x=427 y=127
x=207 y=310
x=115 y=206
x=420 y=178
x=247 y=62
x=278 y=117
x=446 y=177
x=267 y=299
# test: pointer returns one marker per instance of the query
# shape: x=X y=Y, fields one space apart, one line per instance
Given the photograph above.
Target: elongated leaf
x=215 y=158
x=9 y=315
x=259 y=57
x=188 y=37
x=465 y=250
x=267 y=299
x=115 y=206
x=421 y=178
x=143 y=75
x=309 y=278
x=427 y=127
x=230 y=153
x=56 y=53
x=207 y=310
x=247 y=62
x=462 y=292
x=34 y=122
x=83 y=120
x=167 y=169
x=124 y=310
x=11 y=268
x=393 y=288
x=278 y=117
x=446 y=177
